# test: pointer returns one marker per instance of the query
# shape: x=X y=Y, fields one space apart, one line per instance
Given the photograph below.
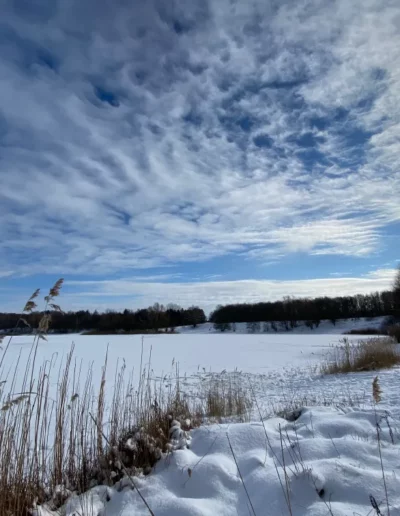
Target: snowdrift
x=325 y=462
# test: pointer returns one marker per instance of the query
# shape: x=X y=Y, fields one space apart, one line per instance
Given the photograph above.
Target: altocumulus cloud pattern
x=178 y=150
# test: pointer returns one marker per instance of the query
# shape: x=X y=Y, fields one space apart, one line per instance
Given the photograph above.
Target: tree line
x=154 y=318
x=286 y=312
x=289 y=311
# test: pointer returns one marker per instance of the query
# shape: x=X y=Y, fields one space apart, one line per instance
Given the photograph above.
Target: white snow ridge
x=327 y=462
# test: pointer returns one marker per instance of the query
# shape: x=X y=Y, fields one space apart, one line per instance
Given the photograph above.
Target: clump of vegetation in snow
x=61 y=435
x=226 y=396
x=366 y=355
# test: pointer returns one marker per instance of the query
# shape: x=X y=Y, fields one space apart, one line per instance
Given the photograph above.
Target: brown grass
x=225 y=396
x=366 y=355
x=49 y=440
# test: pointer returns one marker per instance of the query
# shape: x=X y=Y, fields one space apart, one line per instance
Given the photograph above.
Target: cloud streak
x=208 y=294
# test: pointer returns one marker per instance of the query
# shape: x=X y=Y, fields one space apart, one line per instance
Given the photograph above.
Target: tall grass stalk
x=50 y=443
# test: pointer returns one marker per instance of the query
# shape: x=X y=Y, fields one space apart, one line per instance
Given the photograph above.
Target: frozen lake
x=281 y=367
x=214 y=352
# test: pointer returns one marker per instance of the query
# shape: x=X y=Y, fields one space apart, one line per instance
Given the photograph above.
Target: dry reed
x=367 y=355
x=51 y=444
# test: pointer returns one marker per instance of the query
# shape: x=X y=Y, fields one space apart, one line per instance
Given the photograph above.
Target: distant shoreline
x=94 y=332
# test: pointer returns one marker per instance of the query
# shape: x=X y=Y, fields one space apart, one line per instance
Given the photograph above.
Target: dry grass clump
x=226 y=396
x=54 y=443
x=366 y=355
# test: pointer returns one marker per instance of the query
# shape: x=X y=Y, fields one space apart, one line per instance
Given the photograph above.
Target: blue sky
x=198 y=152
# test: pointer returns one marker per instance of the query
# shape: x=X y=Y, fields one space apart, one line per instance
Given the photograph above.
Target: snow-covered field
x=330 y=453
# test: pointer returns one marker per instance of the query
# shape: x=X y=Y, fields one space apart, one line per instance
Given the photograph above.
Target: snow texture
x=331 y=460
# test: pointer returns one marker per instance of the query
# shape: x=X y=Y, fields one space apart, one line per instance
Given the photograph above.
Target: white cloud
x=129 y=293
x=6 y=274
x=162 y=178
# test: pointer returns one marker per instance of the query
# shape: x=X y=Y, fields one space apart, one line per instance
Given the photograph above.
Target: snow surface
x=254 y=353
x=332 y=450
x=331 y=459
x=251 y=353
x=281 y=368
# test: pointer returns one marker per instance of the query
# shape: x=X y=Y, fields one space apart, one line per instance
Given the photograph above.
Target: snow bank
x=325 y=327
x=331 y=459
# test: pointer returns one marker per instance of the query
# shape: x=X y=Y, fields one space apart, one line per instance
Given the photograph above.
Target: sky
x=198 y=152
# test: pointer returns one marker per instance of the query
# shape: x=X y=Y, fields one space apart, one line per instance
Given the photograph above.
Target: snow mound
x=325 y=462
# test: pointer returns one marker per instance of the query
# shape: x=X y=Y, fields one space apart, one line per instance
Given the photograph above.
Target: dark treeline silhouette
x=153 y=318
x=288 y=312
x=394 y=330
x=292 y=310
x=396 y=293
